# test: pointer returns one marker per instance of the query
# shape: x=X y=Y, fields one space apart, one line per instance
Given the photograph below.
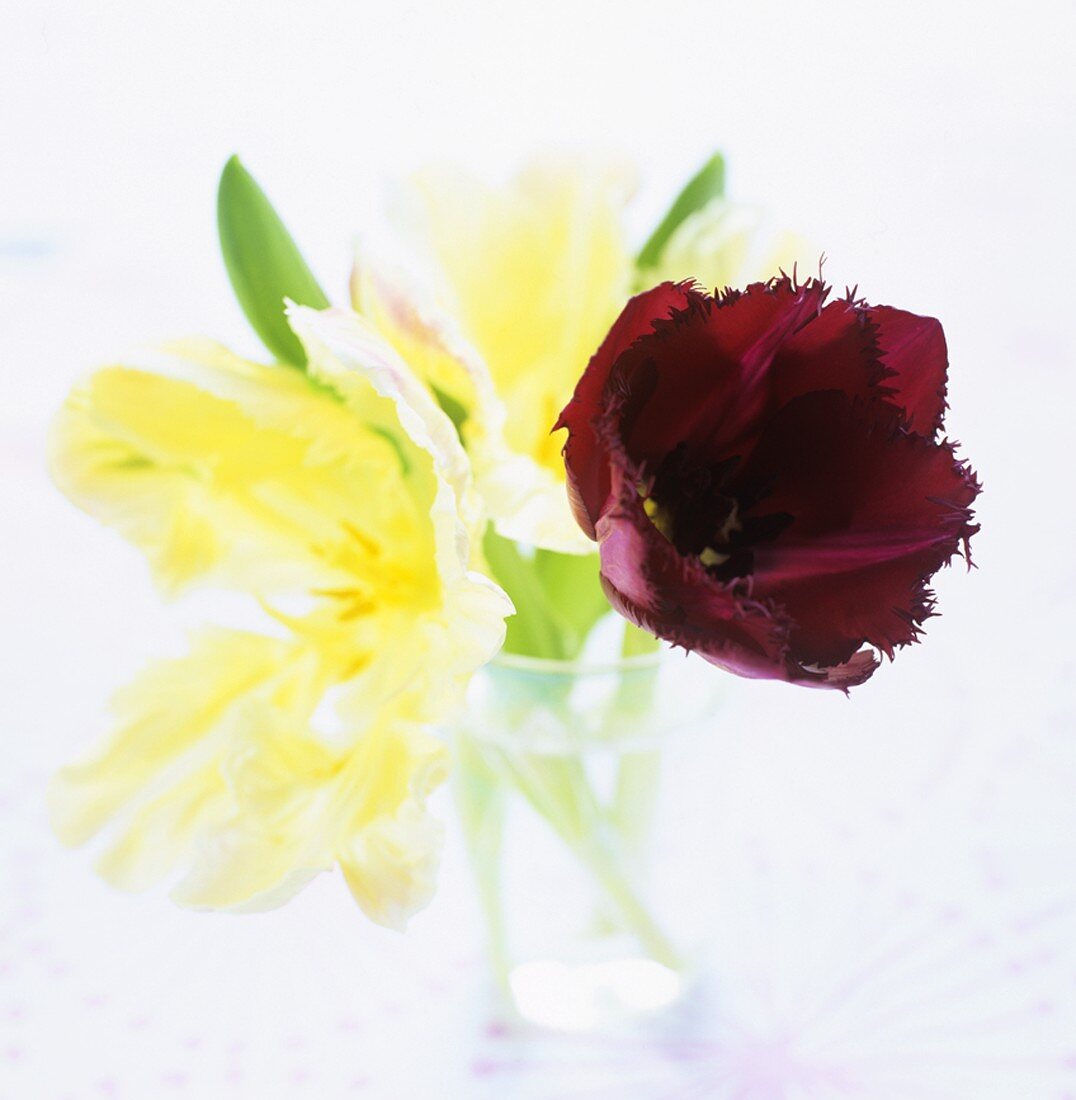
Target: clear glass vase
x=570 y=786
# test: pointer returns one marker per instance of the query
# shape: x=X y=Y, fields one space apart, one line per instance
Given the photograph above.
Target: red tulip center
x=694 y=505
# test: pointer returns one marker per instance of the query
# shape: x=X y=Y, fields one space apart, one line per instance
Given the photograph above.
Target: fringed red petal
x=763 y=476
x=708 y=369
x=916 y=361
x=586 y=466
x=876 y=509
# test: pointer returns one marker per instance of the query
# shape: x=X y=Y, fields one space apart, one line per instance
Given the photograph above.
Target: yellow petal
x=525 y=498
x=277 y=836
x=391 y=866
x=173 y=710
x=157 y=838
x=204 y=471
x=300 y=808
x=536 y=272
x=390 y=856
x=424 y=335
x=348 y=354
x=432 y=653
x=274 y=398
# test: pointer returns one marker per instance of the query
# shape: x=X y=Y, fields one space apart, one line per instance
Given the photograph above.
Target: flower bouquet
x=531 y=446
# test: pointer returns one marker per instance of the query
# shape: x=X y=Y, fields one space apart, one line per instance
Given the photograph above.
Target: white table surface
x=897 y=917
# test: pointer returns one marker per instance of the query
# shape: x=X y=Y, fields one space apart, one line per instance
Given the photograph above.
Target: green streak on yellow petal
x=521 y=493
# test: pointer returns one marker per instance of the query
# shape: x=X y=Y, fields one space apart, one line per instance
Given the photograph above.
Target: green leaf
x=707 y=183
x=533 y=629
x=574 y=592
x=480 y=799
x=558 y=597
x=263 y=262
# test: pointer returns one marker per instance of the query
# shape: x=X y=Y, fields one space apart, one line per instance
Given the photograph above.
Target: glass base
x=570 y=779
x=589 y=996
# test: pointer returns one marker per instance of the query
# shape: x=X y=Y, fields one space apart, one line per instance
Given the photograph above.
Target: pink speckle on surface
x=485 y=1067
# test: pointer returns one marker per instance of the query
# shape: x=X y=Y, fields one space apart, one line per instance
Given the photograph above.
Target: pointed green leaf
x=707 y=183
x=263 y=262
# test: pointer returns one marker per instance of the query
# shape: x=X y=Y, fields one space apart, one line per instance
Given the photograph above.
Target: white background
x=928 y=148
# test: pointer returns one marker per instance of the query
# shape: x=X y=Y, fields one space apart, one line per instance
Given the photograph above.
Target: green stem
x=638 y=773
x=558 y=790
x=480 y=801
x=557 y=787
x=635 y=798
x=633 y=912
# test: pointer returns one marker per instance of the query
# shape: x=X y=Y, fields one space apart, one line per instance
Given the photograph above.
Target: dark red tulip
x=765 y=476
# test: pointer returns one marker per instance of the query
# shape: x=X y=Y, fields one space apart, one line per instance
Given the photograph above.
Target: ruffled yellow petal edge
x=347 y=353
x=302 y=808
x=215 y=773
x=154 y=782
x=220 y=470
x=525 y=500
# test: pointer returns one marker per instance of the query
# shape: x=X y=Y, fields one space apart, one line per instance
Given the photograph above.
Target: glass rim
x=520 y=662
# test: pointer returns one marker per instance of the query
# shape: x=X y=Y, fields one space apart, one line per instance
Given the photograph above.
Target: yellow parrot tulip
x=341 y=501
x=527 y=280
